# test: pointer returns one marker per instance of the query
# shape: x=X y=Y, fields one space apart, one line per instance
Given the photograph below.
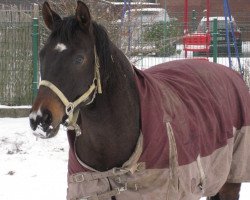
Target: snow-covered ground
x=31 y=168
x=36 y=169
x=14 y=107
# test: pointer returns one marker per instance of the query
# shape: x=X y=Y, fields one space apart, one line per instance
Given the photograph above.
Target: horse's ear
x=50 y=17
x=83 y=15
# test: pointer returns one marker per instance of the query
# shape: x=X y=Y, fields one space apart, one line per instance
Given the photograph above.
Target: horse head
x=69 y=70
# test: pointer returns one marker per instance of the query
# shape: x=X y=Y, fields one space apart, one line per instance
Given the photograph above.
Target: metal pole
x=129 y=28
x=186 y=21
x=208 y=15
x=165 y=27
x=186 y=17
x=35 y=57
x=208 y=25
x=233 y=37
x=215 y=40
x=194 y=19
x=227 y=33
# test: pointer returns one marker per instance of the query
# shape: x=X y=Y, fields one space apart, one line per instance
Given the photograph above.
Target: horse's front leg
x=229 y=191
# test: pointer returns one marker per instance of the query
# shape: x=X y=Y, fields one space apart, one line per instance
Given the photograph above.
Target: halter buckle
x=69 y=108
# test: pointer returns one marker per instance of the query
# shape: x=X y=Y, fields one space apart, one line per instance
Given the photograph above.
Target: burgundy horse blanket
x=195 y=120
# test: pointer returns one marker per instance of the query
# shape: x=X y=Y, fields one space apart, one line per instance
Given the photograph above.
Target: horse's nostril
x=42 y=119
x=47 y=117
x=33 y=124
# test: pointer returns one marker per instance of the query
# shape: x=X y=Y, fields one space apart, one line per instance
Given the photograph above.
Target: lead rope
x=71 y=122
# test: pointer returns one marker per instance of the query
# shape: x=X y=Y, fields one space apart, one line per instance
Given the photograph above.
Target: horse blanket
x=195 y=120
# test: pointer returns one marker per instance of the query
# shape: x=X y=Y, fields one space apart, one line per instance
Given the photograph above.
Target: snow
x=147 y=9
x=219 y=18
x=33 y=168
x=131 y=3
x=14 y=107
x=143 y=62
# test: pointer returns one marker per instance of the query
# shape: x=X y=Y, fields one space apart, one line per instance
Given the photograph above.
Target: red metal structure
x=196 y=42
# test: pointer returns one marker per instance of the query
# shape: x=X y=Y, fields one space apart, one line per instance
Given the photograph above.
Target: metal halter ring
x=69 y=108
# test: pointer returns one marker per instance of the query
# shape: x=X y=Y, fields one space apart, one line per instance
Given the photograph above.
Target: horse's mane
x=103 y=48
x=66 y=31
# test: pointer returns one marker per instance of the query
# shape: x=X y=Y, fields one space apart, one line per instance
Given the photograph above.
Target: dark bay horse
x=177 y=131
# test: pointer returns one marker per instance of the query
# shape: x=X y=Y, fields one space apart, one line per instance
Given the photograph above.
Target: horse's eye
x=79 y=60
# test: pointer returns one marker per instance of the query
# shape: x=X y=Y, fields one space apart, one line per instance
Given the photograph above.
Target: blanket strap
x=117 y=174
x=202 y=173
x=103 y=196
x=81 y=177
x=90 y=176
x=173 y=156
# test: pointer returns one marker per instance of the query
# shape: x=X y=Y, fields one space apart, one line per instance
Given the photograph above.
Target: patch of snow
x=14 y=107
x=30 y=167
x=131 y=3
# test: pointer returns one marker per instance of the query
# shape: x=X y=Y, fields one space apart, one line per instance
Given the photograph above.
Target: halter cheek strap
x=70 y=106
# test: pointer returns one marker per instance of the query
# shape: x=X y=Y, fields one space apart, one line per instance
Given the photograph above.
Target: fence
x=160 y=42
x=15 y=55
x=146 y=44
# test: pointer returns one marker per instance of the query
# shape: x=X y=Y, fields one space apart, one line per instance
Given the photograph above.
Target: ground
x=31 y=168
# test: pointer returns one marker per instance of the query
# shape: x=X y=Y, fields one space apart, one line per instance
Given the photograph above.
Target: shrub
x=164 y=36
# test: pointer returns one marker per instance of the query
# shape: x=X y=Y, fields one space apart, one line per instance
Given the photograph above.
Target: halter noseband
x=70 y=106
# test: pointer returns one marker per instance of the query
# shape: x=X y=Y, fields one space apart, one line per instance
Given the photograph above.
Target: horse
x=176 y=131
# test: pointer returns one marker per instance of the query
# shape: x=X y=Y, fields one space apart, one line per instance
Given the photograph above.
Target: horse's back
x=194 y=79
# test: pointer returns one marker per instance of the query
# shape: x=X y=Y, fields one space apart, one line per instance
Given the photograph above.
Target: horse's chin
x=50 y=133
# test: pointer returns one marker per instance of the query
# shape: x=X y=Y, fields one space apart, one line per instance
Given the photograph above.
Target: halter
x=95 y=87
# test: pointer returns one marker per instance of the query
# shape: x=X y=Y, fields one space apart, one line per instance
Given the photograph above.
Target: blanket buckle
x=79 y=178
x=122 y=189
x=118 y=180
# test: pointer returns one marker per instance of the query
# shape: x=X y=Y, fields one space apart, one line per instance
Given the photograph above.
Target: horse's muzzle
x=41 y=124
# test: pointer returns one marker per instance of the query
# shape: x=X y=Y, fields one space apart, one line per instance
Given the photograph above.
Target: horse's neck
x=110 y=126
